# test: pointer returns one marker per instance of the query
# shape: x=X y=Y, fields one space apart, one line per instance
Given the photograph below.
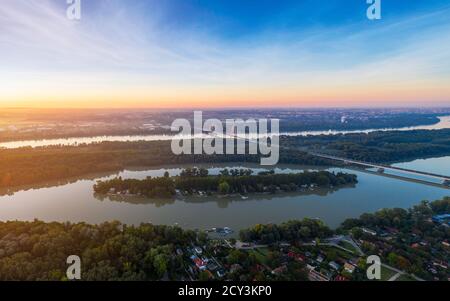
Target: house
x=442 y=219
x=198 y=250
x=220 y=273
x=320 y=259
x=368 y=231
x=334 y=265
x=280 y=270
x=212 y=266
x=296 y=256
x=340 y=278
x=235 y=267
x=200 y=264
x=445 y=244
x=440 y=264
x=350 y=268
x=313 y=275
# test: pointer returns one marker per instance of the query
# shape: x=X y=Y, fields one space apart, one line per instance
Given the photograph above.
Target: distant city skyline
x=224 y=54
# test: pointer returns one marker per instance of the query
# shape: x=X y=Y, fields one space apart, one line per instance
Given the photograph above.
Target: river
x=444 y=123
x=75 y=201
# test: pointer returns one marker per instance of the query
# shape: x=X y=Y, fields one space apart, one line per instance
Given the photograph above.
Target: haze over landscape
x=172 y=54
x=313 y=139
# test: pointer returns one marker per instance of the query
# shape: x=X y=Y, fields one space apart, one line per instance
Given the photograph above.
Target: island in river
x=228 y=182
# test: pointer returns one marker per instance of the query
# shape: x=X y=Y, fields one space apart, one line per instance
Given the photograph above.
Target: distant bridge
x=445 y=180
x=383 y=167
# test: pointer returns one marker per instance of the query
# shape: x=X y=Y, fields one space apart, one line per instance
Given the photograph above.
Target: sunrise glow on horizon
x=183 y=54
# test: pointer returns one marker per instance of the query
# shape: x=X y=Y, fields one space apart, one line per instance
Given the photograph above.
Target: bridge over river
x=444 y=180
x=381 y=168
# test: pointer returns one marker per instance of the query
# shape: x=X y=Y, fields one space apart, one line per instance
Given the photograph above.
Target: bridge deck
x=383 y=166
x=445 y=179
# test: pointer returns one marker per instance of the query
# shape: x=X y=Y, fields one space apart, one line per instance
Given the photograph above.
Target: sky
x=224 y=53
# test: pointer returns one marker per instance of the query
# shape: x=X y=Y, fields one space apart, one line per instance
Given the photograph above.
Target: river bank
x=76 y=202
x=444 y=123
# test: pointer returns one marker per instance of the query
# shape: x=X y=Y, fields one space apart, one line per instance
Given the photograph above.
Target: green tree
x=204 y=276
x=224 y=188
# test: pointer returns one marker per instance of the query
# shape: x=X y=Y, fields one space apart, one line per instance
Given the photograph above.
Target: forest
x=30 y=166
x=110 y=251
x=113 y=251
x=305 y=230
x=378 y=147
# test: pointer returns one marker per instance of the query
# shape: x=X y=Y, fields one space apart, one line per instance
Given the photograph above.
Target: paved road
x=383 y=166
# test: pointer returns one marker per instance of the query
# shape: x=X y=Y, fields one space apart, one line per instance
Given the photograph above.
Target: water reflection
x=222 y=202
x=75 y=202
x=55 y=183
x=135 y=200
x=141 y=173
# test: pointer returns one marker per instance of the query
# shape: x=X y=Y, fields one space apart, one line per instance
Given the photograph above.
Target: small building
x=350 y=268
x=220 y=273
x=369 y=231
x=295 y=256
x=212 y=266
x=313 y=275
x=200 y=264
x=340 y=278
x=320 y=259
x=442 y=219
x=334 y=265
x=280 y=270
x=235 y=267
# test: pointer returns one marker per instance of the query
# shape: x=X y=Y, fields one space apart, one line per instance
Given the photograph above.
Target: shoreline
x=86 y=139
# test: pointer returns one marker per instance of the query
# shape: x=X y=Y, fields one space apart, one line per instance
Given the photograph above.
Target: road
x=383 y=167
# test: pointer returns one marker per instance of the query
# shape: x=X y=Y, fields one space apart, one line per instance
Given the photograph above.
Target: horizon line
x=228 y=108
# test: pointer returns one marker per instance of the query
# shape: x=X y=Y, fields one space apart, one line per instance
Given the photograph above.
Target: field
x=260 y=254
x=405 y=277
x=386 y=273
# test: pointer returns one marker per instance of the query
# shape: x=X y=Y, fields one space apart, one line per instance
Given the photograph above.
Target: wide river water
x=444 y=123
x=75 y=201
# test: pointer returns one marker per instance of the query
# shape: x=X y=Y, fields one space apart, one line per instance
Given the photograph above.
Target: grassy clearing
x=260 y=255
x=405 y=277
x=348 y=246
x=387 y=273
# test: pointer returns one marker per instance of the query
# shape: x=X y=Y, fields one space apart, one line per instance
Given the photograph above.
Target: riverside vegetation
x=113 y=251
x=194 y=180
x=31 y=166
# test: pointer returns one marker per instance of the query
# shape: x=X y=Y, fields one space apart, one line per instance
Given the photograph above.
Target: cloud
x=129 y=46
